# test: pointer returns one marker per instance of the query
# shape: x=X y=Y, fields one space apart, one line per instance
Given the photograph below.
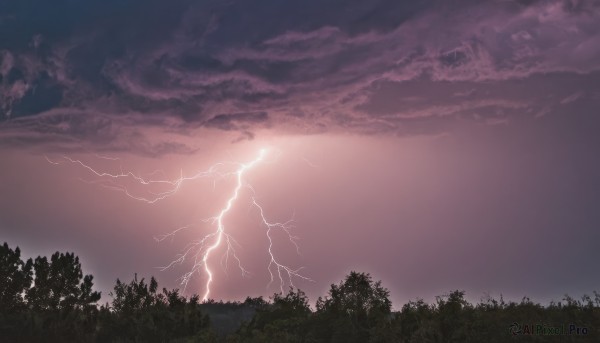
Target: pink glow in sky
x=437 y=146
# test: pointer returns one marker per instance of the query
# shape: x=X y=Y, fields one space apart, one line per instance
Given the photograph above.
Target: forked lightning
x=201 y=251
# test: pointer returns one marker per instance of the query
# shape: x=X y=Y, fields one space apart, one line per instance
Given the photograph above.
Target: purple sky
x=438 y=146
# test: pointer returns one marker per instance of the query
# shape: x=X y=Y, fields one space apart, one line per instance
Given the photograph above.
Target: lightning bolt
x=200 y=251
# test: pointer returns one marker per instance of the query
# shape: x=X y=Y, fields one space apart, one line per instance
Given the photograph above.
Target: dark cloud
x=313 y=66
x=234 y=121
x=46 y=95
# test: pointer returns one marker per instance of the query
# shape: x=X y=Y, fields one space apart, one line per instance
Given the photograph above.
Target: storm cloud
x=96 y=72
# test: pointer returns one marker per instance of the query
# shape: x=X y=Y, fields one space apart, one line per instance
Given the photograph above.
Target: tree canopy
x=52 y=300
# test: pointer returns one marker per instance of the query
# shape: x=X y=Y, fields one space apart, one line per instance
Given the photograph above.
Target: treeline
x=51 y=300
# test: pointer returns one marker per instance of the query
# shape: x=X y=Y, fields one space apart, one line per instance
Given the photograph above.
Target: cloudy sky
x=437 y=145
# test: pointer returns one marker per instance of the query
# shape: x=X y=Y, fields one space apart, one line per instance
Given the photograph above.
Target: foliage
x=140 y=314
x=51 y=300
x=15 y=278
x=46 y=300
x=60 y=284
x=284 y=319
x=354 y=309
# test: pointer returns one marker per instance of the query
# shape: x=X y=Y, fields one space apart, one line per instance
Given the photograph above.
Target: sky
x=436 y=145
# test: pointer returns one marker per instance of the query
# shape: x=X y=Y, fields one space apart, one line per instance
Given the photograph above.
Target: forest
x=52 y=300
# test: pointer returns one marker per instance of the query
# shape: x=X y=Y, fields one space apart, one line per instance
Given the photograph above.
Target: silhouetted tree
x=454 y=316
x=353 y=309
x=283 y=320
x=45 y=300
x=61 y=300
x=50 y=300
x=15 y=278
x=60 y=284
x=140 y=314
